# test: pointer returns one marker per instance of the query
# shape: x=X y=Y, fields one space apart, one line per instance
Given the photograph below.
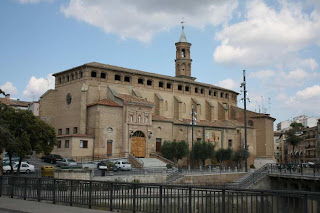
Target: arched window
x=227 y=95
x=221 y=95
x=183 y=53
x=117 y=77
x=147 y=119
x=187 y=88
x=139 y=119
x=131 y=118
x=196 y=90
x=94 y=74
x=168 y=85
x=140 y=81
x=209 y=91
x=160 y=84
x=250 y=123
x=149 y=82
x=215 y=93
x=202 y=90
x=68 y=78
x=179 y=87
x=103 y=75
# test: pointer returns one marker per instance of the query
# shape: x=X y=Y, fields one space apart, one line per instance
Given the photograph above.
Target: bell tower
x=183 y=60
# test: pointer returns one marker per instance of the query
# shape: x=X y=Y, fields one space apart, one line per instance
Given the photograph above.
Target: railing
x=295 y=170
x=135 y=161
x=135 y=197
x=164 y=159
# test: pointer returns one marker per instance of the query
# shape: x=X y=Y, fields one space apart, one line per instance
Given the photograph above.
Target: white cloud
x=263 y=74
x=37 y=86
x=32 y=1
x=142 y=19
x=309 y=93
x=228 y=83
x=8 y=88
x=269 y=36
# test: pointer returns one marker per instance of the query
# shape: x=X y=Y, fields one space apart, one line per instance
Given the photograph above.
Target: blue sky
x=276 y=41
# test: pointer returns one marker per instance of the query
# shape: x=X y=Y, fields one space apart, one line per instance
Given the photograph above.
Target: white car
x=67 y=162
x=25 y=167
x=123 y=165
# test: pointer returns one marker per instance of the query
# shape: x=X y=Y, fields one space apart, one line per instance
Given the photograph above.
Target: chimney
x=8 y=96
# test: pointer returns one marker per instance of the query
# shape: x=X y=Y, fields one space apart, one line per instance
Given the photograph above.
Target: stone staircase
x=153 y=163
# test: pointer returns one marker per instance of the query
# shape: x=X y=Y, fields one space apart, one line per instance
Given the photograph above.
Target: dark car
x=52 y=158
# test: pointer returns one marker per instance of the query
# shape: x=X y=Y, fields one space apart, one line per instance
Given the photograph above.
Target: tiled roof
x=133 y=71
x=132 y=99
x=75 y=135
x=105 y=102
x=12 y=102
x=215 y=123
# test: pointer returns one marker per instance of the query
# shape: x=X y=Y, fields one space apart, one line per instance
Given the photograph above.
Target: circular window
x=68 y=98
x=109 y=130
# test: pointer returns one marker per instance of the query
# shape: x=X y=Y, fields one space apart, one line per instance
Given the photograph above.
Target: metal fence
x=156 y=198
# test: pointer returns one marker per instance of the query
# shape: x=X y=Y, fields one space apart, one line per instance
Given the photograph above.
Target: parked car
x=7 y=162
x=123 y=165
x=103 y=165
x=25 y=167
x=52 y=158
x=67 y=162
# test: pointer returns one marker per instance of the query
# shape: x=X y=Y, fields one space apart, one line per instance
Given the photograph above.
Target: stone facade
x=118 y=111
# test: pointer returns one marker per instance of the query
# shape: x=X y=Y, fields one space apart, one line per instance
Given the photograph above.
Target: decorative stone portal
x=138 y=144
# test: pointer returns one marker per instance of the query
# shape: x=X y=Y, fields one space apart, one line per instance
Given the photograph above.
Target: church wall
x=48 y=108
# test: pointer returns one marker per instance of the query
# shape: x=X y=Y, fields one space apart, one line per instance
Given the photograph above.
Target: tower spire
x=183 y=36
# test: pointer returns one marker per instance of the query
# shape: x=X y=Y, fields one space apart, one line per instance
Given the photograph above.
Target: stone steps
x=153 y=163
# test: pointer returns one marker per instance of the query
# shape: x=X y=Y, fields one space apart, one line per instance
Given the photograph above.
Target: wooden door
x=109 y=147
x=158 y=146
x=138 y=147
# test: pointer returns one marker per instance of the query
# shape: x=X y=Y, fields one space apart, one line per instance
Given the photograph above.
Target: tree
x=203 y=151
x=21 y=133
x=239 y=156
x=175 y=150
x=223 y=155
x=292 y=136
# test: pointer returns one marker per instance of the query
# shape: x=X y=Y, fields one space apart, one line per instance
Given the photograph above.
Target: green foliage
x=174 y=150
x=223 y=154
x=239 y=156
x=296 y=125
x=292 y=137
x=203 y=151
x=252 y=166
x=21 y=133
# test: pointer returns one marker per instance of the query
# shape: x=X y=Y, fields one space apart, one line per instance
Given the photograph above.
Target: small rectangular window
x=140 y=81
x=196 y=90
x=230 y=143
x=215 y=93
x=161 y=84
x=117 y=78
x=103 y=75
x=149 y=82
x=59 y=131
x=93 y=74
x=83 y=144
x=59 y=144
x=179 y=87
x=202 y=91
x=67 y=131
x=187 y=89
x=127 y=79
x=75 y=130
x=168 y=86
x=66 y=144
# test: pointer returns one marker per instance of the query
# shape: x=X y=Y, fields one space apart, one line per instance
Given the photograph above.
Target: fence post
x=223 y=204
x=314 y=171
x=90 y=192
x=134 y=198
x=54 y=192
x=1 y=179
x=262 y=204
x=305 y=203
x=12 y=183
x=190 y=200
x=160 y=201
x=39 y=190
x=111 y=197
x=71 y=186
x=25 y=189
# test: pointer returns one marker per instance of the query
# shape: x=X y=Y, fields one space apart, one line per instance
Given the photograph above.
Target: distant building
x=15 y=103
x=283 y=125
x=277 y=146
x=306 y=121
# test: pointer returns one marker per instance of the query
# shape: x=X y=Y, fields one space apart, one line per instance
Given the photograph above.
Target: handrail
x=140 y=162
x=164 y=159
x=259 y=173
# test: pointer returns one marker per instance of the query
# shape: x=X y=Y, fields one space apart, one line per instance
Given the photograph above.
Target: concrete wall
x=210 y=179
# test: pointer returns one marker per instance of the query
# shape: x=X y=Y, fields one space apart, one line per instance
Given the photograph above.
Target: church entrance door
x=138 y=144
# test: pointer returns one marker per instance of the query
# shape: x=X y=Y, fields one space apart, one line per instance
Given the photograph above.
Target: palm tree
x=293 y=137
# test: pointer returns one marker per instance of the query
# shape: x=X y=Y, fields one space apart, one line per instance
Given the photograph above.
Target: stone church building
x=101 y=110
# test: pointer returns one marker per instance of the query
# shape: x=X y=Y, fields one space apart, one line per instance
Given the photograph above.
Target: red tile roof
x=105 y=102
x=13 y=102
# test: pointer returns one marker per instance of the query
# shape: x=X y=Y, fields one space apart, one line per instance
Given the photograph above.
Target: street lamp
x=243 y=84
x=193 y=119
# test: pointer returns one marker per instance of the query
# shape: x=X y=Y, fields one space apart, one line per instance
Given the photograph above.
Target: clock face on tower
x=68 y=98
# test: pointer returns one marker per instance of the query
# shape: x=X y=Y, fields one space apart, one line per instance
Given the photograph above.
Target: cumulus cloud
x=142 y=19
x=37 y=86
x=263 y=74
x=269 y=36
x=8 y=88
x=228 y=83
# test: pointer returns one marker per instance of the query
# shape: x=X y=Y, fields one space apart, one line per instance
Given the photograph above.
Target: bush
x=252 y=166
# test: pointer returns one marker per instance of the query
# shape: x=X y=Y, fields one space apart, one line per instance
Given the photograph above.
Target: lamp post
x=243 y=84
x=193 y=119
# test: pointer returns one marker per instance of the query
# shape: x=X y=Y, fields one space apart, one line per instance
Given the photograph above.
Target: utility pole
x=193 y=119
x=243 y=84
